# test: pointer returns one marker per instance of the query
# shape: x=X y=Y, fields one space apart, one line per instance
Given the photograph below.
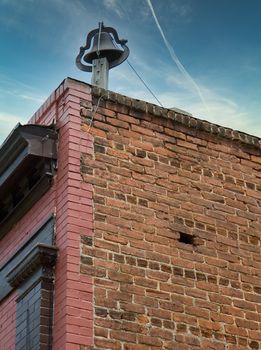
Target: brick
x=210 y=325
x=123 y=335
x=190 y=310
x=148 y=340
x=120 y=277
x=244 y=305
x=107 y=344
x=246 y=324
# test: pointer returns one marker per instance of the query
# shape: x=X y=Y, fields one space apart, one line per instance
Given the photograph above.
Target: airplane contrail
x=175 y=57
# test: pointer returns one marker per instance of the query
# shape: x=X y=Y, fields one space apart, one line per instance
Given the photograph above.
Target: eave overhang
x=27 y=163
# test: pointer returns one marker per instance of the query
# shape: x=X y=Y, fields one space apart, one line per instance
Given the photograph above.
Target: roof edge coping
x=181 y=117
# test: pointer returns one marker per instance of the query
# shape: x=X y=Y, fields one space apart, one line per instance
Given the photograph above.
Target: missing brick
x=186 y=238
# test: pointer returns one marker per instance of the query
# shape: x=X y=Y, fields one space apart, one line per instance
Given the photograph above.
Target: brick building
x=127 y=226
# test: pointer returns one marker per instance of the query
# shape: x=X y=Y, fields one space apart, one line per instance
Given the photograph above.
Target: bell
x=103 y=55
x=106 y=49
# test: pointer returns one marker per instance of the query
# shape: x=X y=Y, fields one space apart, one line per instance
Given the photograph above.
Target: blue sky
x=216 y=41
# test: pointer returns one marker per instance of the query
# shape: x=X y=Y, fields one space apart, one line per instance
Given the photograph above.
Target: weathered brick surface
x=158 y=179
x=157 y=225
x=70 y=201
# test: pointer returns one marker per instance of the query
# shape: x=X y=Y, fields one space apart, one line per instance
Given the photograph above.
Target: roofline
x=179 y=116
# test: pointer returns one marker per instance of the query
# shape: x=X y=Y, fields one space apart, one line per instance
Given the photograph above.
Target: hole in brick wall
x=186 y=238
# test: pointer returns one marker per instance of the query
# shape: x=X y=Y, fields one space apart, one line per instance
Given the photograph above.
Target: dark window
x=27 y=166
x=30 y=271
x=28 y=320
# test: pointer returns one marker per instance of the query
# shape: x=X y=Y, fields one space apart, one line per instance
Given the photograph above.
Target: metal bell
x=103 y=54
x=105 y=48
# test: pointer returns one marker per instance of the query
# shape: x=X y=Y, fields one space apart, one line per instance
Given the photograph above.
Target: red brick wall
x=73 y=308
x=73 y=291
x=159 y=178
x=69 y=199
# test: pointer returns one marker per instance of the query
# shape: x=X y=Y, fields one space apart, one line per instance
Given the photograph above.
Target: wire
x=94 y=111
x=143 y=82
x=99 y=38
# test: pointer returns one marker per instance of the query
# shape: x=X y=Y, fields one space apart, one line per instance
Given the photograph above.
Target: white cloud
x=18 y=89
x=176 y=91
x=180 y=11
x=31 y=98
x=8 y=122
x=22 y=95
x=9 y=118
x=113 y=6
x=16 y=9
x=221 y=110
x=16 y=95
x=176 y=60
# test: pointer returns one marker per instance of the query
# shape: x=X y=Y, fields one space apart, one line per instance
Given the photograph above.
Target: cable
x=99 y=38
x=143 y=82
x=94 y=112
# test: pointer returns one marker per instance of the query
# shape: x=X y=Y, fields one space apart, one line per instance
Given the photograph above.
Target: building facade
x=127 y=226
